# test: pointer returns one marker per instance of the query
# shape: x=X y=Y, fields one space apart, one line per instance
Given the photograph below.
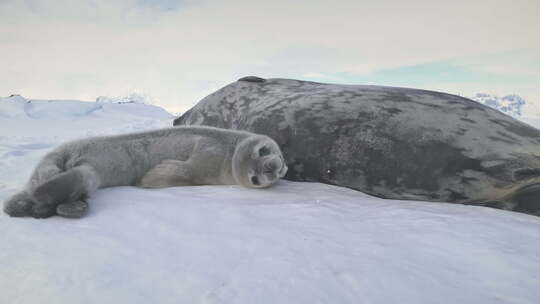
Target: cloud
x=178 y=52
x=516 y=72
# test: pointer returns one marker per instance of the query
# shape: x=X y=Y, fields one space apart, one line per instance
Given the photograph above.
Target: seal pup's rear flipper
x=67 y=187
x=19 y=204
x=168 y=173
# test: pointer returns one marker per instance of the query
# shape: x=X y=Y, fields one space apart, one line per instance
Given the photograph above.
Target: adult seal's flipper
x=168 y=173
x=527 y=199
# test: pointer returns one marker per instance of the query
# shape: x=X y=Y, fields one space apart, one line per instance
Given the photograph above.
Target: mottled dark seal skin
x=389 y=142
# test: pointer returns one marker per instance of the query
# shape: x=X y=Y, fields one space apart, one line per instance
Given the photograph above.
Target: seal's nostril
x=271 y=165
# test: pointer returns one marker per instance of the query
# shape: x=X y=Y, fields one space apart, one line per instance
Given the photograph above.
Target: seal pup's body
x=161 y=158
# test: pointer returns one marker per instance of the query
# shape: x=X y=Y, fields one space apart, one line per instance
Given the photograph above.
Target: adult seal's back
x=389 y=142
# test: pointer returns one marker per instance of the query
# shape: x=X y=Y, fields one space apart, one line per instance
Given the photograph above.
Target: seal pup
x=154 y=159
x=395 y=143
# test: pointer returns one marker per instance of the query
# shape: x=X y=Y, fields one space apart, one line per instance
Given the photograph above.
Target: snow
x=131 y=98
x=509 y=104
x=292 y=243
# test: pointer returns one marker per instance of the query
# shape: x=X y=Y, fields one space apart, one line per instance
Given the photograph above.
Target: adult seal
x=395 y=143
x=161 y=158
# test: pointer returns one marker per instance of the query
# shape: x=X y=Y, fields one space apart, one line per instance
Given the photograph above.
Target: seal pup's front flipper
x=168 y=173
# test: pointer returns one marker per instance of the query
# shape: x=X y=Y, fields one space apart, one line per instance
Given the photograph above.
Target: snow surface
x=292 y=243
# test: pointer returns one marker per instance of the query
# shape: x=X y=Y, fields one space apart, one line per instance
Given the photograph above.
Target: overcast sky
x=180 y=51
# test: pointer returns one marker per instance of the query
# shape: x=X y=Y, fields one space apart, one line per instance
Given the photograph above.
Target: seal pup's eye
x=255 y=180
x=263 y=151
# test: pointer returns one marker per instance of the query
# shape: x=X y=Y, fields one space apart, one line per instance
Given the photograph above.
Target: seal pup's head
x=257 y=162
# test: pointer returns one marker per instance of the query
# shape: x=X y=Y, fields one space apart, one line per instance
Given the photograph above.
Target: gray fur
x=161 y=158
x=389 y=142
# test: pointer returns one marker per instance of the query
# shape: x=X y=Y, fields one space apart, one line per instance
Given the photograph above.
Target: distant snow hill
x=19 y=107
x=105 y=115
x=509 y=104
